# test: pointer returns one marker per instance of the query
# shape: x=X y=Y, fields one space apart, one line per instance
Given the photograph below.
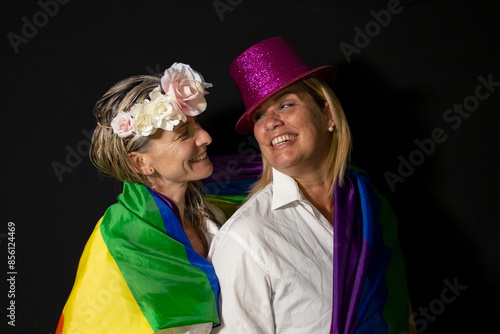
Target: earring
x=330 y=129
x=153 y=173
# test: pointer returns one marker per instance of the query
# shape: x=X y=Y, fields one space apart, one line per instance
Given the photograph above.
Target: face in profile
x=292 y=131
x=180 y=155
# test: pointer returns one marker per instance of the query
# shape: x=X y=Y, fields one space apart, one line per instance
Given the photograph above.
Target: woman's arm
x=246 y=292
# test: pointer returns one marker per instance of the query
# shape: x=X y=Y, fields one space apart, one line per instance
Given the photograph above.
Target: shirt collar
x=285 y=190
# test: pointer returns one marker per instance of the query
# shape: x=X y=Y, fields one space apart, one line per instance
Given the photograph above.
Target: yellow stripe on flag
x=101 y=301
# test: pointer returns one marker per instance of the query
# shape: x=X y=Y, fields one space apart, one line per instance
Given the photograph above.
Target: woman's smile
x=281 y=139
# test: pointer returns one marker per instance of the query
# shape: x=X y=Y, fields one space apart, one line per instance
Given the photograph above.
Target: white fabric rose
x=144 y=124
x=163 y=111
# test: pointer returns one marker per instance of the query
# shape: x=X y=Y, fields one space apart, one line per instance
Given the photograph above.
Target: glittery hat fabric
x=264 y=69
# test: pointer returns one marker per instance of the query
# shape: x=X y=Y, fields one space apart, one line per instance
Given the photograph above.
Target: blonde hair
x=109 y=153
x=340 y=150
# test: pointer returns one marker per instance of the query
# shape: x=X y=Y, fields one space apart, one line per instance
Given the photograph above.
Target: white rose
x=164 y=112
x=144 y=124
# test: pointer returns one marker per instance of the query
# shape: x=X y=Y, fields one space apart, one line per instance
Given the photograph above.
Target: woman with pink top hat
x=314 y=249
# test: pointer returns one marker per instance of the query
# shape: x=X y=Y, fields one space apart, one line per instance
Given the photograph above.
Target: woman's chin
x=206 y=170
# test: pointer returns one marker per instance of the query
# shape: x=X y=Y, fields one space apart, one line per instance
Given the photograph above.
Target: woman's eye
x=184 y=134
x=285 y=105
x=257 y=116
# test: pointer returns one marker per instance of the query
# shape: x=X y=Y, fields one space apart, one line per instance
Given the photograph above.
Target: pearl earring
x=330 y=129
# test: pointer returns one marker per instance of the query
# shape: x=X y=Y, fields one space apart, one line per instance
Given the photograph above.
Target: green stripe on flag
x=168 y=289
x=396 y=312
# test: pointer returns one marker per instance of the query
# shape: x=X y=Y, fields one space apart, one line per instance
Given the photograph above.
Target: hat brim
x=327 y=73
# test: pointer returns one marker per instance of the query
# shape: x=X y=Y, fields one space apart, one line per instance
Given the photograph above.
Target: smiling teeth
x=198 y=158
x=282 y=139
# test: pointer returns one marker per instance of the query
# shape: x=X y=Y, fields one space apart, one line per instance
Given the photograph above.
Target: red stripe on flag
x=60 y=325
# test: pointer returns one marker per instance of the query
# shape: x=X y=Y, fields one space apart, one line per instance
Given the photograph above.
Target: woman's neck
x=317 y=191
x=177 y=196
x=176 y=192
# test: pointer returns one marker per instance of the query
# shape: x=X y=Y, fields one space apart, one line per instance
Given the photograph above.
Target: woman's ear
x=140 y=163
x=328 y=114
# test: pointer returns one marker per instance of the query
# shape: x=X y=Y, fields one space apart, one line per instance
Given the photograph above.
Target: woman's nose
x=272 y=120
x=203 y=138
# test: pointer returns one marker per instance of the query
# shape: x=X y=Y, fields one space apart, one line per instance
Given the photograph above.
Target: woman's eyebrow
x=277 y=97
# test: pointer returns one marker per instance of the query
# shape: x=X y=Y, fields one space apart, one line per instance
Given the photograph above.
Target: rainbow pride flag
x=370 y=293
x=231 y=180
x=139 y=273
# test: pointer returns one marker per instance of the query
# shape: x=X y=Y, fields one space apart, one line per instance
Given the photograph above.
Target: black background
x=396 y=89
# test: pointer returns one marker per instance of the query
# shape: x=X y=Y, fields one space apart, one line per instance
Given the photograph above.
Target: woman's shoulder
x=220 y=216
x=257 y=203
x=252 y=216
x=211 y=227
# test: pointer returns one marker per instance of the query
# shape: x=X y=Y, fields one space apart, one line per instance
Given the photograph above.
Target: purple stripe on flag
x=235 y=167
x=351 y=258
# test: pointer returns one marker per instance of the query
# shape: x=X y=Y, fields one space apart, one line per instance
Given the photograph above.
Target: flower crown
x=184 y=91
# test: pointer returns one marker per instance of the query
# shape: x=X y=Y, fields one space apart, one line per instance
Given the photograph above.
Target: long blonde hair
x=109 y=153
x=340 y=150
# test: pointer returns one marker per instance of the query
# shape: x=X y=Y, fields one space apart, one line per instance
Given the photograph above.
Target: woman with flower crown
x=143 y=269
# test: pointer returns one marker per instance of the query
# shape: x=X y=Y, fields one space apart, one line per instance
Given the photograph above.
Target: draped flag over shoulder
x=139 y=272
x=370 y=294
x=369 y=289
x=233 y=176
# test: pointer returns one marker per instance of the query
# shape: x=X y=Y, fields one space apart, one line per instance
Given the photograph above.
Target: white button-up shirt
x=274 y=261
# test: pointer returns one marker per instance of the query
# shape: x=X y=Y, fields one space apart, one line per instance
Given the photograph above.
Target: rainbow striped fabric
x=370 y=293
x=231 y=180
x=139 y=273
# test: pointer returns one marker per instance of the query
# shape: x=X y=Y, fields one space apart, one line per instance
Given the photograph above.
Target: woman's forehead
x=297 y=89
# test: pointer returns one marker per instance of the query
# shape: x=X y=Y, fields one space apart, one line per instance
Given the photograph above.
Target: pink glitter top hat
x=264 y=69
